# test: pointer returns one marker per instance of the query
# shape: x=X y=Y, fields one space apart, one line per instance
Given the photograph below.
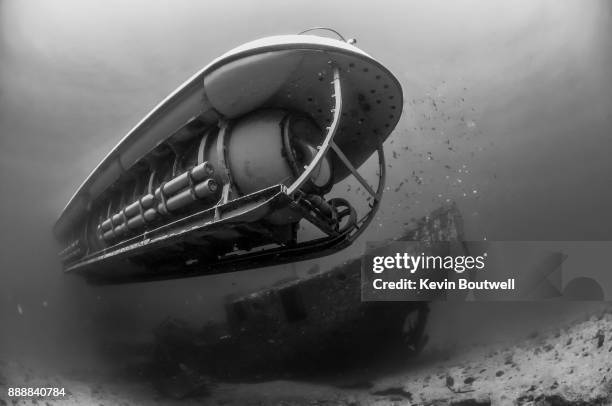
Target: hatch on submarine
x=223 y=173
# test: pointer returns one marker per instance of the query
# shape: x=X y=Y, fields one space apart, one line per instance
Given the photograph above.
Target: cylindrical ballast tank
x=271 y=147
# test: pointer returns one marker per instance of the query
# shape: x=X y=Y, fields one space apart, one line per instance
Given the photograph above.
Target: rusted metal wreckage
x=302 y=327
x=219 y=176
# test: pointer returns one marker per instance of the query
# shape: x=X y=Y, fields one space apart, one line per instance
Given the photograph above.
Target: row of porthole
x=375 y=131
x=378 y=101
x=363 y=119
x=352 y=65
x=365 y=70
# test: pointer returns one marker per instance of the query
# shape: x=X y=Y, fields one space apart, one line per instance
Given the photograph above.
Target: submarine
x=235 y=168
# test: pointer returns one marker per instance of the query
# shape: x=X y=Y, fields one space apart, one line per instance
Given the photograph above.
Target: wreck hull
x=307 y=326
x=311 y=327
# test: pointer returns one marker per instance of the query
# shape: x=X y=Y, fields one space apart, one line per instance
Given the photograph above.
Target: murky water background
x=508 y=112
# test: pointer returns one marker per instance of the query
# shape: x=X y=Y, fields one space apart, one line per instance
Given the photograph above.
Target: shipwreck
x=301 y=327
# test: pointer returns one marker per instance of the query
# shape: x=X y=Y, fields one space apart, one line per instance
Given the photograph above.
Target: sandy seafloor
x=565 y=364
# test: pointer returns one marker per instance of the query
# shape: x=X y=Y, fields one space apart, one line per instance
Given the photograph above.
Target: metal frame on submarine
x=218 y=177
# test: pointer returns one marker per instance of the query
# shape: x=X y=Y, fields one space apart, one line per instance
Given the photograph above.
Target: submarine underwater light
x=219 y=176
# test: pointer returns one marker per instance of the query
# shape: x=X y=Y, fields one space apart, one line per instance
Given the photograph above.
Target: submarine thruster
x=222 y=173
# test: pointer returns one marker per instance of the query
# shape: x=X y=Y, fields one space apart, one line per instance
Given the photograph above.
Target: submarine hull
x=220 y=174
